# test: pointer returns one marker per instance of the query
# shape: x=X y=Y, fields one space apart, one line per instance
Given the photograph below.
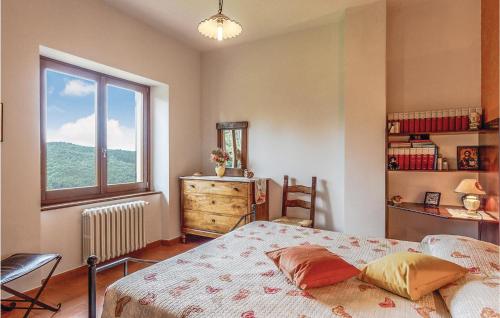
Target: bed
x=232 y=277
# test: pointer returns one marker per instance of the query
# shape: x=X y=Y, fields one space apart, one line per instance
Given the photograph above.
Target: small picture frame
x=467 y=157
x=432 y=199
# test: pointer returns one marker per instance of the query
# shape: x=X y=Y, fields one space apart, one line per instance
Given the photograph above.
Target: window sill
x=92 y=201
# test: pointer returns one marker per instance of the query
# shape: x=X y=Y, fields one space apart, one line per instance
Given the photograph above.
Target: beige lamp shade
x=470 y=186
x=219 y=27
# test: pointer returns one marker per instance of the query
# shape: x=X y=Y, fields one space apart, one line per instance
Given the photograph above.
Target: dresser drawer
x=209 y=221
x=237 y=189
x=221 y=204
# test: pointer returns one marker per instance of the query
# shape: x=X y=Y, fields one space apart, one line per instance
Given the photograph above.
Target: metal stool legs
x=28 y=299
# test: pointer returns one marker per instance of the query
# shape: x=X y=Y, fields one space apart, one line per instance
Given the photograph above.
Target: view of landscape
x=72 y=128
x=73 y=166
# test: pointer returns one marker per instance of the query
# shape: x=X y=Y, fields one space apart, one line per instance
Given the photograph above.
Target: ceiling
x=259 y=18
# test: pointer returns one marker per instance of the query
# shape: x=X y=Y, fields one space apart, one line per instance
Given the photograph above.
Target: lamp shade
x=219 y=27
x=470 y=186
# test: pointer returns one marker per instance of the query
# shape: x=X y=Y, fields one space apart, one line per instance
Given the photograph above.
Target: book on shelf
x=412 y=158
x=444 y=120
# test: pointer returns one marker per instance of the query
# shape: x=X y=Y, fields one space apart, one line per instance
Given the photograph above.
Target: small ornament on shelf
x=397 y=200
x=474 y=120
x=445 y=164
x=248 y=173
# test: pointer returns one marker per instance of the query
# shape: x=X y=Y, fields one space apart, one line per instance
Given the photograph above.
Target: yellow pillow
x=411 y=275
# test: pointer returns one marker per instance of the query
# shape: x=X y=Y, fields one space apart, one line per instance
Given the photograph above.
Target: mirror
x=232 y=138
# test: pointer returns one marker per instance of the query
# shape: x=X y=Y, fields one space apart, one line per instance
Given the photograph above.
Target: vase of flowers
x=220 y=157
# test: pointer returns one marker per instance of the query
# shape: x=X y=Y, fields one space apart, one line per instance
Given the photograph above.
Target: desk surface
x=441 y=211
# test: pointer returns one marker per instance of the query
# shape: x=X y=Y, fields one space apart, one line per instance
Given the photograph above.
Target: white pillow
x=478 y=293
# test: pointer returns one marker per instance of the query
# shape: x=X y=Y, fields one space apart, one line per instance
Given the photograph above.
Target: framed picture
x=468 y=158
x=432 y=199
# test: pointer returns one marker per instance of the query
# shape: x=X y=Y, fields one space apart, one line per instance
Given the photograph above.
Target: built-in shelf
x=439 y=211
x=439 y=171
x=461 y=132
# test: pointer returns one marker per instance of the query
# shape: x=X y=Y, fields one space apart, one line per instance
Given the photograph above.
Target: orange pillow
x=312 y=266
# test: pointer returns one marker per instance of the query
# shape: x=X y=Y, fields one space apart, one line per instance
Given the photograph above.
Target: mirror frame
x=243 y=125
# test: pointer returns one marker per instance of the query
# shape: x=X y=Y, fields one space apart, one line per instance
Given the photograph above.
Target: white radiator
x=114 y=230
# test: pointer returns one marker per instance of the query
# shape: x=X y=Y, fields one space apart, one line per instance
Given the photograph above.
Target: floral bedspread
x=232 y=277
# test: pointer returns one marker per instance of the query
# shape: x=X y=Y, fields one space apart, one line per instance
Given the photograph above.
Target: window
x=94 y=134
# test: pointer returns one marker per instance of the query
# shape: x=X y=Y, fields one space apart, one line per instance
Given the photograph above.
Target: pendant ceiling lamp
x=219 y=26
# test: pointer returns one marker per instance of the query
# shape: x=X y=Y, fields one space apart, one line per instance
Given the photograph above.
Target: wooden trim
x=486 y=130
x=201 y=233
x=107 y=198
x=298 y=204
x=232 y=125
x=439 y=211
x=299 y=189
x=171 y=242
x=489 y=59
x=101 y=189
x=312 y=211
x=243 y=125
x=181 y=211
x=284 y=198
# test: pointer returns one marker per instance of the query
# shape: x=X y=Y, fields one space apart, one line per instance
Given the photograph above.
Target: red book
x=411 y=123
x=446 y=121
x=413 y=158
x=439 y=121
x=397 y=122
x=451 y=120
x=430 y=156
x=406 y=165
x=405 y=122
x=458 y=120
x=400 y=158
x=418 y=159
x=434 y=121
x=425 y=159
x=422 y=122
x=465 y=119
x=428 y=121
x=417 y=122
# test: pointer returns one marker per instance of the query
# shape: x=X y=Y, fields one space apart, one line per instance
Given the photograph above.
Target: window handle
x=104 y=153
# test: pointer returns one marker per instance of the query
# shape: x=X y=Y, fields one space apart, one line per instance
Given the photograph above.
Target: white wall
x=365 y=118
x=291 y=90
x=92 y=30
x=288 y=88
x=433 y=62
x=433 y=54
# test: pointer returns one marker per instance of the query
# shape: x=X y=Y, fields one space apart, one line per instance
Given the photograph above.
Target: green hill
x=71 y=166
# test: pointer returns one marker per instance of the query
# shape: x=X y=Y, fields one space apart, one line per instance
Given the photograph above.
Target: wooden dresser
x=211 y=206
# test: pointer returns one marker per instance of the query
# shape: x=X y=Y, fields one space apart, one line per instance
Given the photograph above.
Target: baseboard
x=171 y=242
x=82 y=270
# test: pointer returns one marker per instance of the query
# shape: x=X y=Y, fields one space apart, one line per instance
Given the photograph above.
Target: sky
x=71 y=106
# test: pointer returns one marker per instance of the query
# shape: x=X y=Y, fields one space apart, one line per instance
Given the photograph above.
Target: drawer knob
x=192 y=186
x=213 y=202
x=236 y=189
x=213 y=220
x=213 y=185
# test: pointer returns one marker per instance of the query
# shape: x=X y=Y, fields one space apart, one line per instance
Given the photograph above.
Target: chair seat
x=18 y=265
x=294 y=221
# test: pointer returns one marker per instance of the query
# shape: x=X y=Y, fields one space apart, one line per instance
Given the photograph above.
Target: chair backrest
x=309 y=205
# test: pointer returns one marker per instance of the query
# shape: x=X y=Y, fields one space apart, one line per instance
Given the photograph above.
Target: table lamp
x=472 y=190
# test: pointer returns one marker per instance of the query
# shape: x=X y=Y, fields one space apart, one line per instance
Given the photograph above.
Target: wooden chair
x=309 y=205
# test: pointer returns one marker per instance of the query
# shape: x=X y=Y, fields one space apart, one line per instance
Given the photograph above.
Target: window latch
x=104 y=152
